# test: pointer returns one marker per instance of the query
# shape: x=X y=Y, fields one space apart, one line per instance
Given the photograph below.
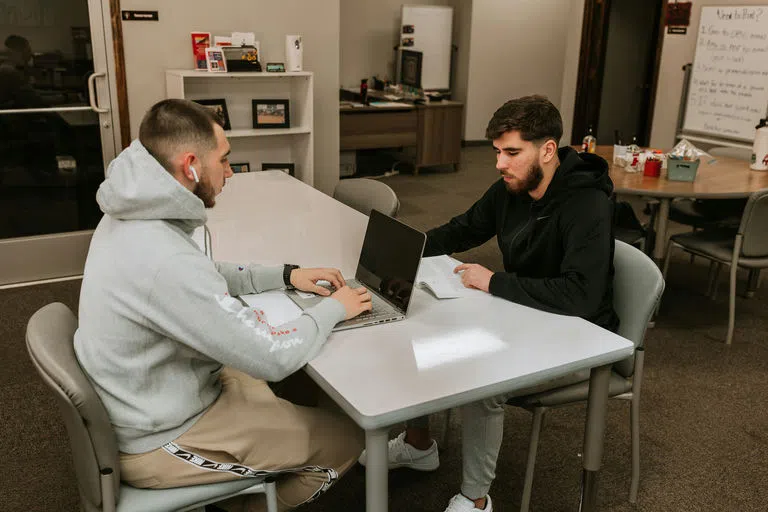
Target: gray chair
x=702 y=213
x=637 y=288
x=364 y=195
x=747 y=248
x=50 y=335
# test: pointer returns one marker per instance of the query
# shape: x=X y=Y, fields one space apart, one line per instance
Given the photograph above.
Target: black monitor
x=410 y=68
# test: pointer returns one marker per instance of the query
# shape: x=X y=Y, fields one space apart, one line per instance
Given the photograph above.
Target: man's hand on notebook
x=354 y=300
x=305 y=279
x=474 y=276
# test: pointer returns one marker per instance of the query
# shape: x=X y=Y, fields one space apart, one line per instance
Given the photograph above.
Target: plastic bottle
x=633 y=156
x=589 y=143
x=760 y=147
x=364 y=91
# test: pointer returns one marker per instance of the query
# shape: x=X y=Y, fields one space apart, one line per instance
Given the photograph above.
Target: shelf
x=191 y=73
x=266 y=132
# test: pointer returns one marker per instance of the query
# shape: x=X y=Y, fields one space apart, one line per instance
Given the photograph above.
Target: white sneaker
x=461 y=503
x=403 y=455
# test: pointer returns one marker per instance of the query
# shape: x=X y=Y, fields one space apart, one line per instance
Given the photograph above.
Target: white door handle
x=92 y=93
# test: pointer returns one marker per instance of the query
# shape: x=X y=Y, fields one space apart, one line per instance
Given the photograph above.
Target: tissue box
x=681 y=170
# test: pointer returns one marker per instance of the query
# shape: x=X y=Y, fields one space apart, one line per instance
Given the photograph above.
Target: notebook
x=388 y=265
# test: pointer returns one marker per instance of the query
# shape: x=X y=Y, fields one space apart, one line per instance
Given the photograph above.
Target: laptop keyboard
x=379 y=308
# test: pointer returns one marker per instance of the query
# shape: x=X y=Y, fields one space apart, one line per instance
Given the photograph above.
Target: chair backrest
x=364 y=195
x=754 y=226
x=637 y=288
x=50 y=342
x=738 y=153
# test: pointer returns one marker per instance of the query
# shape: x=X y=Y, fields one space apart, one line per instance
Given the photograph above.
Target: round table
x=726 y=178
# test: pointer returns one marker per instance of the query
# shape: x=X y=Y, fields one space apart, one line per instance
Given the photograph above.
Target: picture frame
x=275 y=67
x=271 y=113
x=240 y=167
x=219 y=107
x=214 y=57
x=287 y=168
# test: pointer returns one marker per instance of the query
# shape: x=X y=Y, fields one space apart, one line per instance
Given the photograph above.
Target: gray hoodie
x=158 y=319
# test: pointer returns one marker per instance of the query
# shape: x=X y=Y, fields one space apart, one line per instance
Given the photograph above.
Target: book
x=436 y=275
x=200 y=41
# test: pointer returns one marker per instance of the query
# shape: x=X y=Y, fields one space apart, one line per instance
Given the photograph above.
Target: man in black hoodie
x=551 y=212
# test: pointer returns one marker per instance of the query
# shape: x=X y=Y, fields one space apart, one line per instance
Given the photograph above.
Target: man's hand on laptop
x=305 y=279
x=354 y=300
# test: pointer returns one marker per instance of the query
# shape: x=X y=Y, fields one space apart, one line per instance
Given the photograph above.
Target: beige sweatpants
x=248 y=425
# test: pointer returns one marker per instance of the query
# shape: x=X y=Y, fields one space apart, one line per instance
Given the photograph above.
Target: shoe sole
x=415 y=467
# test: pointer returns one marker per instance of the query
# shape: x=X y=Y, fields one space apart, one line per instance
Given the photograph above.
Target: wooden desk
x=434 y=128
x=727 y=178
x=445 y=354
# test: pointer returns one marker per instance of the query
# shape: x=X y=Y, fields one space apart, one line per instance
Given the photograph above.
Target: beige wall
x=517 y=47
x=369 y=31
x=571 y=67
x=153 y=47
x=678 y=50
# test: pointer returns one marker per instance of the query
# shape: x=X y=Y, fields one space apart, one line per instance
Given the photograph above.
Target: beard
x=531 y=180
x=205 y=191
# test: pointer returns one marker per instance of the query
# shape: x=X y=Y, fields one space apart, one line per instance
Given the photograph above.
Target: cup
x=619 y=152
x=652 y=168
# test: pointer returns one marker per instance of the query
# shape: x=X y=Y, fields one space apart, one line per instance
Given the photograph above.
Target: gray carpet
x=704 y=423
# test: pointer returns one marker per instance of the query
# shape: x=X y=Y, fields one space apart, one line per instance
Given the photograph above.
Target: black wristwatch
x=287 y=269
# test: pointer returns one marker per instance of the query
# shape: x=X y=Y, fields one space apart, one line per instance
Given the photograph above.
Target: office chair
x=364 y=195
x=50 y=342
x=701 y=213
x=637 y=288
x=747 y=248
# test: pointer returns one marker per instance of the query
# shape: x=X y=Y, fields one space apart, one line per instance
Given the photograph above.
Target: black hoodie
x=557 y=251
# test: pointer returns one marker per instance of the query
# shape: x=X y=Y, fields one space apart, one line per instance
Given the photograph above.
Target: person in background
x=551 y=212
x=180 y=364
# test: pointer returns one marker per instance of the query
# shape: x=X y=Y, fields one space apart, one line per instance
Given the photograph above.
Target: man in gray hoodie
x=178 y=362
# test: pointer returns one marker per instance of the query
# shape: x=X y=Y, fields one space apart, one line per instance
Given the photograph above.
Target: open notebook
x=436 y=275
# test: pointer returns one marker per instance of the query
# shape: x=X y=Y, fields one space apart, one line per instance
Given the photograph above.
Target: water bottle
x=760 y=147
x=589 y=143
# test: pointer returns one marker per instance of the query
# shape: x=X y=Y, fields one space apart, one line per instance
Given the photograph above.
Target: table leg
x=593 y=435
x=376 y=471
x=662 y=220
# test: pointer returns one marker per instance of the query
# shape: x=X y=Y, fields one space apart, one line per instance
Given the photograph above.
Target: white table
x=445 y=354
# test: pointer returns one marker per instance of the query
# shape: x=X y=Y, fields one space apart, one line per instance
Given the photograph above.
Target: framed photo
x=271 y=114
x=244 y=167
x=286 y=168
x=214 y=56
x=275 y=67
x=219 y=108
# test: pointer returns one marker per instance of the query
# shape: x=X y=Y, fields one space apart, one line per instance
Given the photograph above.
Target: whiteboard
x=728 y=92
x=432 y=32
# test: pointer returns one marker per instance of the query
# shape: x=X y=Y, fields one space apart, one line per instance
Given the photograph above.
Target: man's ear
x=548 y=151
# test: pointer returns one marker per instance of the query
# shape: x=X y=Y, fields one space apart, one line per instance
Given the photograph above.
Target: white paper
x=277 y=307
x=243 y=39
x=436 y=274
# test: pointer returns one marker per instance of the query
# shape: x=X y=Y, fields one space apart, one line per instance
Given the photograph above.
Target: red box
x=652 y=168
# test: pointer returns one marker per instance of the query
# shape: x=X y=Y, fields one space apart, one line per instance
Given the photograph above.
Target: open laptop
x=389 y=262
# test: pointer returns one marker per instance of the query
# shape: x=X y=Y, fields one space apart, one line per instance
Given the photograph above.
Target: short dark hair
x=16 y=43
x=535 y=117
x=175 y=125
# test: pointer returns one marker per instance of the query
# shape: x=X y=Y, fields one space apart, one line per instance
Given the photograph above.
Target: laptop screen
x=390 y=258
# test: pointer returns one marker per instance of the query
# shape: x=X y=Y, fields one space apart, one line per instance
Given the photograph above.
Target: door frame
x=61 y=256
x=589 y=84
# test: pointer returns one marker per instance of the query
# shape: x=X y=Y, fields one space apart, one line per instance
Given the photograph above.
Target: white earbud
x=194 y=173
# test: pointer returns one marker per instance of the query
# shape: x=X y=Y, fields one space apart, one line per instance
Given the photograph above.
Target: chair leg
x=664 y=270
x=731 y=305
x=538 y=416
x=715 y=280
x=754 y=283
x=634 y=420
x=271 y=494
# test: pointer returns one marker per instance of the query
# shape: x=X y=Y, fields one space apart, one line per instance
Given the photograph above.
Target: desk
x=434 y=128
x=728 y=178
x=386 y=374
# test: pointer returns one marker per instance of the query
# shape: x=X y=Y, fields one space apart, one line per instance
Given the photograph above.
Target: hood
x=577 y=171
x=137 y=187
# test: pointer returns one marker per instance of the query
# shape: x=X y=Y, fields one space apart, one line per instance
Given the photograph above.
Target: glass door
x=57 y=131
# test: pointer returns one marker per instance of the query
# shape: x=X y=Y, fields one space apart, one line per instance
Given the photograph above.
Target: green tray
x=682 y=170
